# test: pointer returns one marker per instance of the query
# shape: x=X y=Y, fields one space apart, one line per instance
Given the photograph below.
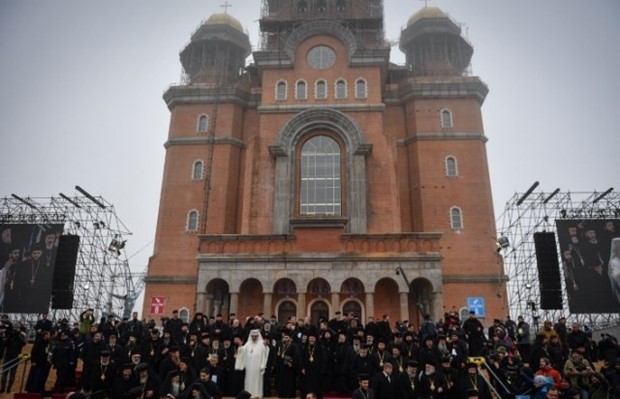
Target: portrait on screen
x=590 y=264
x=27 y=261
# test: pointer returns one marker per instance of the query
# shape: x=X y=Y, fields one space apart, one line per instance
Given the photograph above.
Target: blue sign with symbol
x=476 y=304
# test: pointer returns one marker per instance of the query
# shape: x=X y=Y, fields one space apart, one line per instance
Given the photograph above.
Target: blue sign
x=476 y=304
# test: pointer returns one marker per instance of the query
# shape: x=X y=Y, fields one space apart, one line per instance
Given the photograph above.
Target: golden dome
x=224 y=19
x=427 y=12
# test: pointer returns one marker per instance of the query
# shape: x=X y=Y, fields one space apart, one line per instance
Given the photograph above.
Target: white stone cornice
x=204 y=140
x=445 y=135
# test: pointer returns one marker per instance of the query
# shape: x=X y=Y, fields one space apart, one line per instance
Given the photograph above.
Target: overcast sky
x=81 y=86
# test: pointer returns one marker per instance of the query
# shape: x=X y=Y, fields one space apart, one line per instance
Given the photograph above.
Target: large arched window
x=341 y=89
x=197 y=170
x=281 y=91
x=446 y=118
x=360 y=89
x=320 y=190
x=321 y=90
x=192 y=221
x=451 y=166
x=203 y=124
x=456 y=218
x=301 y=92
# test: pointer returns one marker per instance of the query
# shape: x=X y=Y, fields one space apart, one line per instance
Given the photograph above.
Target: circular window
x=321 y=57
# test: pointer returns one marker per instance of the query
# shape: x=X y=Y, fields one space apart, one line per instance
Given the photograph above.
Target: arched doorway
x=250 y=298
x=421 y=299
x=319 y=310
x=353 y=307
x=218 y=298
x=286 y=310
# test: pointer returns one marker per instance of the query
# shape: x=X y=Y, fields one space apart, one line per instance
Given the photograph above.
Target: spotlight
x=502 y=243
x=116 y=245
x=528 y=286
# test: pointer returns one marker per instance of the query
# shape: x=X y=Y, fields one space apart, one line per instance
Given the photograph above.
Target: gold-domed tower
x=217 y=51
x=433 y=44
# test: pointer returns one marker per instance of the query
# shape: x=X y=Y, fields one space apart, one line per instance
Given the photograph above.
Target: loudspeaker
x=64 y=272
x=548 y=271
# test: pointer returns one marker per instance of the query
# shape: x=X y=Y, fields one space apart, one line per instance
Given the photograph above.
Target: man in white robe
x=253 y=358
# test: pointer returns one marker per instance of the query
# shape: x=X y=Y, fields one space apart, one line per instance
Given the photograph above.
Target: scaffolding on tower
x=103 y=279
x=537 y=211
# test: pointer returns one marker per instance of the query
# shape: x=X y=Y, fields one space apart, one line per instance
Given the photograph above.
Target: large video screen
x=27 y=260
x=590 y=256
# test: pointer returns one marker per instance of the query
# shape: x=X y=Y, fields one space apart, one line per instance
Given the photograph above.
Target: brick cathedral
x=320 y=177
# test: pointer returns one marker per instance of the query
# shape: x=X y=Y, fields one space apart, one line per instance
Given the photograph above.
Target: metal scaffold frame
x=536 y=211
x=103 y=279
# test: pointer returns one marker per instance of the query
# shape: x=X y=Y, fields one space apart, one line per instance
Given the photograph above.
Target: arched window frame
x=316 y=89
x=301 y=95
x=281 y=90
x=340 y=95
x=193 y=220
x=321 y=5
x=343 y=176
x=445 y=118
x=363 y=93
x=184 y=314
x=202 y=123
x=198 y=170
x=451 y=166
x=341 y=6
x=456 y=218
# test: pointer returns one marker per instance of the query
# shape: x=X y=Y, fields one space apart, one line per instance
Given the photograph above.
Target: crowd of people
x=210 y=357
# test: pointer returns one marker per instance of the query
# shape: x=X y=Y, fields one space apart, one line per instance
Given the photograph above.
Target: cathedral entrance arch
x=286 y=310
x=353 y=306
x=421 y=299
x=218 y=297
x=250 y=298
x=319 y=310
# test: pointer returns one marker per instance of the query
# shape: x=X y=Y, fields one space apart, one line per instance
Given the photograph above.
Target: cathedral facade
x=320 y=177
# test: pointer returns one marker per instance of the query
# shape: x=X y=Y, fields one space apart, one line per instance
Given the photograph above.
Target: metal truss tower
x=536 y=211
x=103 y=279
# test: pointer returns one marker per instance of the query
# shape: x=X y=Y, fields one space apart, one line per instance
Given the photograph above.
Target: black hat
x=471 y=364
x=142 y=367
x=412 y=363
x=446 y=359
x=441 y=336
x=174 y=348
x=431 y=362
x=105 y=353
x=205 y=334
x=127 y=366
x=363 y=377
x=135 y=351
x=365 y=346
